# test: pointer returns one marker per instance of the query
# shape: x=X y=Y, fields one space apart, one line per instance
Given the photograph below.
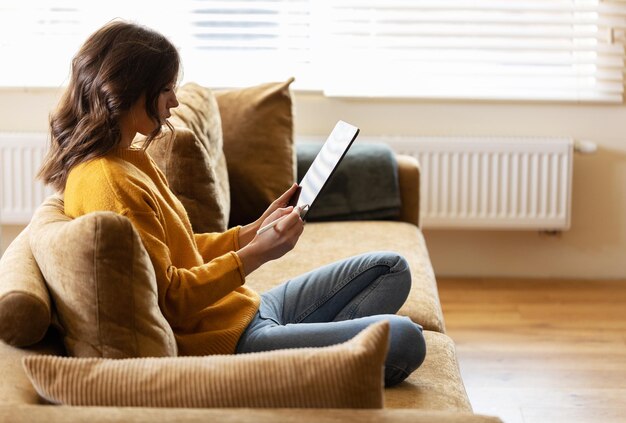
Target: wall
x=595 y=246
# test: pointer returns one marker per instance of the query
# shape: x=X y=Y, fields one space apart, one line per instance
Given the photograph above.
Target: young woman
x=123 y=83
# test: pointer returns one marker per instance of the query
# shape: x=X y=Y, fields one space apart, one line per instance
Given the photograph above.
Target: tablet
x=325 y=163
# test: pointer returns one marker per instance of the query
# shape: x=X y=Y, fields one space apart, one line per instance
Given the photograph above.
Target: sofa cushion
x=257 y=123
x=15 y=388
x=348 y=375
x=323 y=243
x=193 y=162
x=24 y=300
x=436 y=384
x=102 y=283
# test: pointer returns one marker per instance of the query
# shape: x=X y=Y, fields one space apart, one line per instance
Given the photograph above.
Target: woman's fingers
x=294 y=226
x=280 y=213
x=280 y=202
x=287 y=227
x=273 y=219
x=283 y=200
x=283 y=236
x=292 y=219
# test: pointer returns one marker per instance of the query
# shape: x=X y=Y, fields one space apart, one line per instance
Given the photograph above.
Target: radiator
x=479 y=183
x=493 y=183
x=21 y=155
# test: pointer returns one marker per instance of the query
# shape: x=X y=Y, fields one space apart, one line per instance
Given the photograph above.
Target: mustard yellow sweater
x=199 y=276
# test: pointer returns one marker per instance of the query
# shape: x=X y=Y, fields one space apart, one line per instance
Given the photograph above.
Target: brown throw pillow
x=348 y=375
x=24 y=300
x=193 y=162
x=257 y=124
x=102 y=284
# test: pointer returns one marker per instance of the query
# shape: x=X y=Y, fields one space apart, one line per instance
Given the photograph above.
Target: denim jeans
x=333 y=303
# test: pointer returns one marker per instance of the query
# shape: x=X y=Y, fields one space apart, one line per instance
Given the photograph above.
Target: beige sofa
x=433 y=393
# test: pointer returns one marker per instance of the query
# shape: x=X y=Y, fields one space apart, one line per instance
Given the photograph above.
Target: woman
x=123 y=83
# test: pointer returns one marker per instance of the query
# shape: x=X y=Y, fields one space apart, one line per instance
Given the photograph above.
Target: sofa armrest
x=409 y=181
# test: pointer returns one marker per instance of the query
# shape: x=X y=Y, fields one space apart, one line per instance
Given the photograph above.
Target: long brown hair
x=113 y=68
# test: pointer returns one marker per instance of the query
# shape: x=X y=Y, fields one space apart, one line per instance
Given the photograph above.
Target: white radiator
x=493 y=183
x=496 y=183
x=21 y=155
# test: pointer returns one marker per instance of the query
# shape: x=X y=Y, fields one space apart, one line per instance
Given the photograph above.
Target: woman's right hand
x=275 y=242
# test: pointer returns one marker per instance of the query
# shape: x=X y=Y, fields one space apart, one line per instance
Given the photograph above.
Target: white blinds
x=38 y=38
x=243 y=42
x=570 y=50
x=222 y=43
x=478 y=49
x=32 y=40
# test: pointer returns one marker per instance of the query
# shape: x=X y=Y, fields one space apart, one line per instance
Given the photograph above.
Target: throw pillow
x=193 y=162
x=257 y=123
x=102 y=284
x=24 y=300
x=348 y=375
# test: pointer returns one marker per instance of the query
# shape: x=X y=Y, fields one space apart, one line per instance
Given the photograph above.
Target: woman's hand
x=247 y=233
x=275 y=242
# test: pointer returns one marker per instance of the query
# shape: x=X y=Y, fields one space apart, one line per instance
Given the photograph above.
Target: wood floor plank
x=572 y=415
x=540 y=350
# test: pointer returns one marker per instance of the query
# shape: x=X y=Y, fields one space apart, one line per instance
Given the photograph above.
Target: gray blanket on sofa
x=363 y=187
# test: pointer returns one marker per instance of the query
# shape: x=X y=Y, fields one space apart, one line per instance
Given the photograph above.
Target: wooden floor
x=540 y=350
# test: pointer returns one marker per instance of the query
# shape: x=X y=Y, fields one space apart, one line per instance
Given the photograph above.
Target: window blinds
x=477 y=49
x=561 y=50
x=244 y=42
x=222 y=43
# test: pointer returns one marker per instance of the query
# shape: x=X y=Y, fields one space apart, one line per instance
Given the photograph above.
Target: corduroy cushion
x=68 y=414
x=348 y=375
x=102 y=283
x=24 y=300
x=193 y=162
x=257 y=124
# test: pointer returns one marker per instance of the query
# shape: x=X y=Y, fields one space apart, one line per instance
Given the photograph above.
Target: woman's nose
x=173 y=101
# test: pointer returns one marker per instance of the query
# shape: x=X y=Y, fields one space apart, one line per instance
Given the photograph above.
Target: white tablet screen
x=325 y=163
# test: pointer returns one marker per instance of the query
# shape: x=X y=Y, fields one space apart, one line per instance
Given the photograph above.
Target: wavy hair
x=113 y=68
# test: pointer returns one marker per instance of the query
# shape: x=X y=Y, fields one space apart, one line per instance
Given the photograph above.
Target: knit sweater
x=199 y=277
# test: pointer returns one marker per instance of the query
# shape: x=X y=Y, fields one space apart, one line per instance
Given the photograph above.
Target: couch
x=29 y=325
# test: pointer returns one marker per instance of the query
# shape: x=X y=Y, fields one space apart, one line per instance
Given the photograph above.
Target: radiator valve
x=585 y=147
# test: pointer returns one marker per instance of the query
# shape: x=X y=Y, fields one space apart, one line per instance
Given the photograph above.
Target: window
x=563 y=50
x=244 y=42
x=492 y=49
x=222 y=43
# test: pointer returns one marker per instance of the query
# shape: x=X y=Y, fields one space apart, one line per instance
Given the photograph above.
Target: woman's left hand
x=247 y=233
x=280 y=203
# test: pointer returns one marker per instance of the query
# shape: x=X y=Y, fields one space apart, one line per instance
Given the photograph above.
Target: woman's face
x=144 y=124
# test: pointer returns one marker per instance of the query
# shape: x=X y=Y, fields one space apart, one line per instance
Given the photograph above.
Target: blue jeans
x=333 y=303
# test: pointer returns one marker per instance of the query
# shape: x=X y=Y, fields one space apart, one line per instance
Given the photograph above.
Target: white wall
x=595 y=246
